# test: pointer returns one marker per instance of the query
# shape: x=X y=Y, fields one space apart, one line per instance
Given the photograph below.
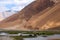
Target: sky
x=14 y=5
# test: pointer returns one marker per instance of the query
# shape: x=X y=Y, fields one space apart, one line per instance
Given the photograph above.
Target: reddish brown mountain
x=30 y=10
x=35 y=16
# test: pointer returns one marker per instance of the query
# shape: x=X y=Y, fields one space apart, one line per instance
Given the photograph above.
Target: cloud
x=2 y=8
x=1 y=17
x=11 y=4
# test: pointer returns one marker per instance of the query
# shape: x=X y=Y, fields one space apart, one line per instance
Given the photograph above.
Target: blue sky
x=14 y=5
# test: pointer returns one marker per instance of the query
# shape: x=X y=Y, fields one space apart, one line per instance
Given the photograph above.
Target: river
x=35 y=38
x=44 y=38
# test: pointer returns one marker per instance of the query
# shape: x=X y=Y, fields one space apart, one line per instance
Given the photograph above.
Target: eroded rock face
x=30 y=10
x=35 y=8
x=24 y=20
x=56 y=1
x=49 y=19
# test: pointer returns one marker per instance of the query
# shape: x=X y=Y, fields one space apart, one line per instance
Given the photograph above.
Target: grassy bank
x=33 y=32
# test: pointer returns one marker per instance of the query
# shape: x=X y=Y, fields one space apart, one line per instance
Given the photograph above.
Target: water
x=6 y=38
x=35 y=38
x=44 y=38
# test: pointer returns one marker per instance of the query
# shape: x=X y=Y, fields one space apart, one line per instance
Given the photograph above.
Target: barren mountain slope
x=39 y=15
x=18 y=21
x=30 y=10
x=49 y=19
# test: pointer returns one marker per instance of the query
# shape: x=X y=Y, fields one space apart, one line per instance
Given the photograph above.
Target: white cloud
x=16 y=8
x=1 y=17
x=21 y=4
x=2 y=8
x=18 y=3
x=6 y=2
x=14 y=5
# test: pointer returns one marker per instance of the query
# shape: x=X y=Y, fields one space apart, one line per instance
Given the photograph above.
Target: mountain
x=49 y=19
x=1 y=17
x=6 y=14
x=35 y=16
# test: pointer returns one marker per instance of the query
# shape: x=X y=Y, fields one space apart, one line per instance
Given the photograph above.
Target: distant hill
x=6 y=14
x=1 y=17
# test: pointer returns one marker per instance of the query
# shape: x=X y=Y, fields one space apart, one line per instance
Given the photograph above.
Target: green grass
x=33 y=32
x=17 y=38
